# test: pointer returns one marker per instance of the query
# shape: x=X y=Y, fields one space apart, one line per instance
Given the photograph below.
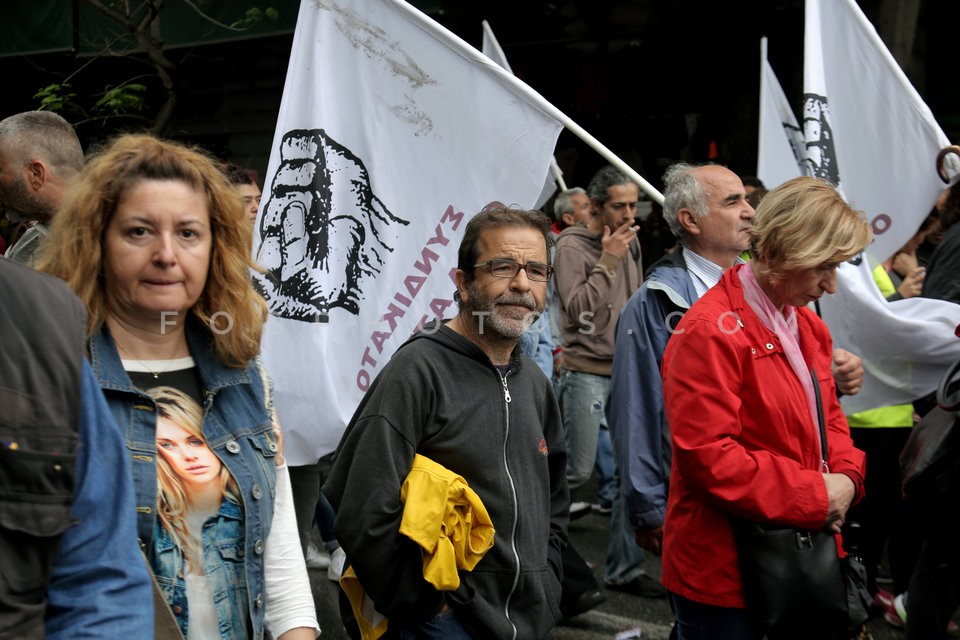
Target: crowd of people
x=690 y=388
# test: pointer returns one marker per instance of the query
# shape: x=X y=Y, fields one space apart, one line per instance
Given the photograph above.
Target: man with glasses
x=460 y=393
x=598 y=268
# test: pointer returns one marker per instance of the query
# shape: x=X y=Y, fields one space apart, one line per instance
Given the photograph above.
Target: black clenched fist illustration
x=323 y=232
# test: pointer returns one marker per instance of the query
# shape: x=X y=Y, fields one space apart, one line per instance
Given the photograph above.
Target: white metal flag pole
x=763 y=63
x=558 y=175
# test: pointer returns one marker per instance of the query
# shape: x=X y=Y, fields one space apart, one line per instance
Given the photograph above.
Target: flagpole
x=558 y=175
x=468 y=51
x=763 y=60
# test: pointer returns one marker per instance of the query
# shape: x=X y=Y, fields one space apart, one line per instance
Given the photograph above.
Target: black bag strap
x=820 y=420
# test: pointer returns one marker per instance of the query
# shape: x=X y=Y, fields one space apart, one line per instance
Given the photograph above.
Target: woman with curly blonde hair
x=156 y=242
x=77 y=252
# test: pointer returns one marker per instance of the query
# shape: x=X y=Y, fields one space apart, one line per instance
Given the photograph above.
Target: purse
x=930 y=459
x=789 y=575
x=793 y=576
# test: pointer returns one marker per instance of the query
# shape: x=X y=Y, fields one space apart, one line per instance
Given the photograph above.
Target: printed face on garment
x=727 y=227
x=157 y=251
x=621 y=207
x=506 y=307
x=188 y=455
x=803 y=287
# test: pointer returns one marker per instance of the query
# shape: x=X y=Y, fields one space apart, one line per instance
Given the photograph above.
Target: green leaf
x=122 y=99
x=55 y=97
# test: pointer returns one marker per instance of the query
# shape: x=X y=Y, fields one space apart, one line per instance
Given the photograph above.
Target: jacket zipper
x=513 y=490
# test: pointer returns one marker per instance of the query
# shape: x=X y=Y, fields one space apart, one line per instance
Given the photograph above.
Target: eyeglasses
x=507 y=268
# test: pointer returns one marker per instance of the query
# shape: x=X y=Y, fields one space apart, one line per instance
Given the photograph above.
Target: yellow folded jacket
x=447 y=519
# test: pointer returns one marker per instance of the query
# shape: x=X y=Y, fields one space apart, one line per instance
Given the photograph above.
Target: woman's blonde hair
x=74 y=251
x=172 y=501
x=803 y=224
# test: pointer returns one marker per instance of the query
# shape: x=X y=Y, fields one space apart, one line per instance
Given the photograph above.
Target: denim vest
x=222 y=539
x=237 y=429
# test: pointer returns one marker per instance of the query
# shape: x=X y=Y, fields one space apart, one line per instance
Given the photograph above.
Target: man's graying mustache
x=523 y=300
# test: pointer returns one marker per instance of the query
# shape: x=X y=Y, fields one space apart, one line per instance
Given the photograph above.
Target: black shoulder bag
x=793 y=576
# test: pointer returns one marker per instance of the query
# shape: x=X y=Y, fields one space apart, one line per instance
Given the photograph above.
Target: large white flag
x=392 y=133
x=868 y=131
x=780 y=143
x=866 y=128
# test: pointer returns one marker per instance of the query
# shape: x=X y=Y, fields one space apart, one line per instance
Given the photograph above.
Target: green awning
x=31 y=27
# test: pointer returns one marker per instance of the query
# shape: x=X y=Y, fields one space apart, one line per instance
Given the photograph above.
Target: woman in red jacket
x=741 y=406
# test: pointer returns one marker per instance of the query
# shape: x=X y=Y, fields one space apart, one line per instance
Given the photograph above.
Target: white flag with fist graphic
x=866 y=128
x=392 y=133
x=868 y=131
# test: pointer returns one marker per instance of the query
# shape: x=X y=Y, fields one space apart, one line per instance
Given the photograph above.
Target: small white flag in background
x=492 y=49
x=780 y=147
x=392 y=133
x=868 y=131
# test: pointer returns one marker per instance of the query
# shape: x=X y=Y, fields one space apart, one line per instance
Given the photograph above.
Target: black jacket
x=943 y=272
x=441 y=397
x=41 y=355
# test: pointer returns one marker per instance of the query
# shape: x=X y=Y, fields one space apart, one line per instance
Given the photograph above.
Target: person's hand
x=650 y=539
x=905 y=263
x=840 y=492
x=557 y=363
x=618 y=242
x=847 y=372
x=912 y=285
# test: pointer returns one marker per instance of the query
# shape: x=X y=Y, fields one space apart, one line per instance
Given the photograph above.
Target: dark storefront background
x=654 y=80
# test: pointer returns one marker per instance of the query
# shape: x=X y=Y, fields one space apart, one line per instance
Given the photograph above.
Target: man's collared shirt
x=705 y=274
